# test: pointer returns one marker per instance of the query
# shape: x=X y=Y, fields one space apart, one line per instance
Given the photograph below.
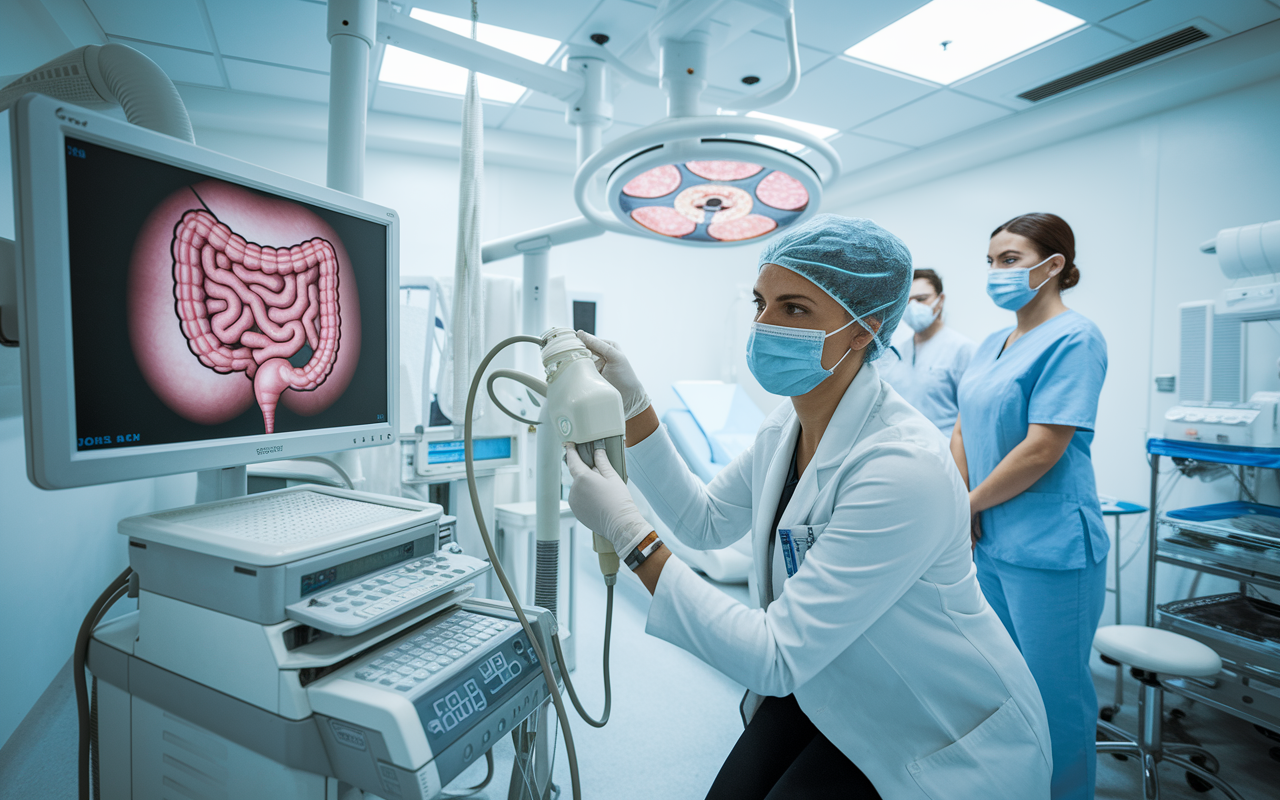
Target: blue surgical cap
x=864 y=268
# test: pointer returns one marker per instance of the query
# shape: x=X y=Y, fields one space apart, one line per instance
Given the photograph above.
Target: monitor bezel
x=39 y=126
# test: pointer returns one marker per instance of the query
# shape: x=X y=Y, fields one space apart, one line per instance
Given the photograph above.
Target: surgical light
x=405 y=68
x=947 y=40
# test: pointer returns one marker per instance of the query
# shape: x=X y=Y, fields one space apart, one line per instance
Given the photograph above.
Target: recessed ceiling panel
x=293 y=33
x=173 y=22
x=935 y=117
x=540 y=123
x=1092 y=10
x=841 y=94
x=247 y=76
x=760 y=56
x=857 y=151
x=836 y=25
x=1076 y=51
x=182 y=66
x=1156 y=17
x=624 y=22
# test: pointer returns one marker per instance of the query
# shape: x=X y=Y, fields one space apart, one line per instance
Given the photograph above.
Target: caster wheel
x=1107 y=713
x=1198 y=783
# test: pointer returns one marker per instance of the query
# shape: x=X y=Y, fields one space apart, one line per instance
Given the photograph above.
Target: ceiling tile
x=841 y=94
x=293 y=33
x=837 y=25
x=173 y=22
x=857 y=151
x=758 y=55
x=182 y=66
x=625 y=23
x=248 y=76
x=540 y=123
x=1155 y=17
x=1092 y=10
x=1076 y=51
x=935 y=117
x=543 y=101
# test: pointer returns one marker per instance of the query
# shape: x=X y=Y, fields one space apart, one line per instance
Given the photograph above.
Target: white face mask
x=919 y=316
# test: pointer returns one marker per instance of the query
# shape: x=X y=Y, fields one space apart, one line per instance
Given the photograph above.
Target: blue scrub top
x=1051 y=376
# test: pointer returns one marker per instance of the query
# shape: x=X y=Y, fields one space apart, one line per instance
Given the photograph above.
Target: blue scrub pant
x=1052 y=616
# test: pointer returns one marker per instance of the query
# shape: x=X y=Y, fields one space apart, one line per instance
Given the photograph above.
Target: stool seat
x=1155 y=650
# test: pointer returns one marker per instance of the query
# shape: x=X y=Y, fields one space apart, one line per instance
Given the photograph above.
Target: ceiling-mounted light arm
x=623 y=68
x=788 y=86
x=591 y=112
x=405 y=32
x=571 y=230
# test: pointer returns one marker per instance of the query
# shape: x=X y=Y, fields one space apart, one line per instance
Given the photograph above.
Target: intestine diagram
x=250 y=308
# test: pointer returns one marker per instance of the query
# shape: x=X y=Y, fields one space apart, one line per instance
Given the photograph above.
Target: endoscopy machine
x=302 y=633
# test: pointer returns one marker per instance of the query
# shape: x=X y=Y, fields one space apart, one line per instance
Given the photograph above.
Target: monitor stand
x=221 y=484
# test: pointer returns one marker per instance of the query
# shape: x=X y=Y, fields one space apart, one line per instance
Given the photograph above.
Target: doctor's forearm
x=641 y=426
x=1022 y=467
x=651 y=569
x=957 y=452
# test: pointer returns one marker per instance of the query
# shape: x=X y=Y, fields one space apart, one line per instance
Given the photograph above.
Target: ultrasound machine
x=184 y=311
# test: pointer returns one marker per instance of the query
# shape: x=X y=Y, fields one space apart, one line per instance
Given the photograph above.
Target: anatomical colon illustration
x=237 y=298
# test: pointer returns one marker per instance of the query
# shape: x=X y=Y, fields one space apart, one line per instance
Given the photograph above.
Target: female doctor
x=875 y=667
x=1027 y=408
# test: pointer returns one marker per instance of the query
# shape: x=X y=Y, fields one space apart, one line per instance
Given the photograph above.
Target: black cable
x=113 y=592
x=470 y=790
x=608 y=690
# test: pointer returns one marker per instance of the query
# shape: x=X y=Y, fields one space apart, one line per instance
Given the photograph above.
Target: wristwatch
x=643 y=550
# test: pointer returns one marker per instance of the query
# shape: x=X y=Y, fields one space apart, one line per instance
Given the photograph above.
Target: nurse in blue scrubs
x=1028 y=403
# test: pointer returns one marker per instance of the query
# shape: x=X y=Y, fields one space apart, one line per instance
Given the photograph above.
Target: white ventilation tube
x=102 y=76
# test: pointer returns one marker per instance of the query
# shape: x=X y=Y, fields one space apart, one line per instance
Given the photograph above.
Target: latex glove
x=600 y=501
x=616 y=369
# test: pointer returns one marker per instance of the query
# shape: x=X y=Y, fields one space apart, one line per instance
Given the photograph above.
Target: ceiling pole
x=352 y=26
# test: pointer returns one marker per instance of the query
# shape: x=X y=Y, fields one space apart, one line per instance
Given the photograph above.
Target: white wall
x=1141 y=197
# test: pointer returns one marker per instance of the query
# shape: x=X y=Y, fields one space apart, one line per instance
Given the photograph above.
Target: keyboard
x=441 y=645
x=369 y=601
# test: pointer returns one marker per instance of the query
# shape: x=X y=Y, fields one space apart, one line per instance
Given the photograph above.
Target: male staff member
x=931 y=362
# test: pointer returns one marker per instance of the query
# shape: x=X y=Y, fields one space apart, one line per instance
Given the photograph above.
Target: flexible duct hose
x=101 y=76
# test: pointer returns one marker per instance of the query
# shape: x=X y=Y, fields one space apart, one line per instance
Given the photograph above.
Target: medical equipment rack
x=1249 y=685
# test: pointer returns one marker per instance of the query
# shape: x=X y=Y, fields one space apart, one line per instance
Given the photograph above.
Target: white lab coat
x=883 y=634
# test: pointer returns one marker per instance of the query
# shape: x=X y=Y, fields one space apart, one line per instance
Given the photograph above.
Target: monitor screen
x=201 y=308
x=201 y=302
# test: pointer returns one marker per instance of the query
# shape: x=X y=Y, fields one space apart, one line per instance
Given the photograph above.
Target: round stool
x=1150 y=653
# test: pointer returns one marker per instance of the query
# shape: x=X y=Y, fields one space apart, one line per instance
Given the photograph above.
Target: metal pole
x=352 y=26
x=1151 y=541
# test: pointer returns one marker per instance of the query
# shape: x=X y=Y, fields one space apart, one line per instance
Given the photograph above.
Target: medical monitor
x=180 y=310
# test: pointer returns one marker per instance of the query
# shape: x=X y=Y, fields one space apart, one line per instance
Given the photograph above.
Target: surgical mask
x=788 y=361
x=1010 y=287
x=919 y=316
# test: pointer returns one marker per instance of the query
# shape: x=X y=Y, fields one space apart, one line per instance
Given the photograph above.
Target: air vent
x=1138 y=55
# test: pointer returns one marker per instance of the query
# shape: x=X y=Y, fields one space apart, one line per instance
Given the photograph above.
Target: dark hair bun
x=1050 y=234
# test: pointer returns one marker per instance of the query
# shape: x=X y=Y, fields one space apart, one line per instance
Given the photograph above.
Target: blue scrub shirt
x=1051 y=376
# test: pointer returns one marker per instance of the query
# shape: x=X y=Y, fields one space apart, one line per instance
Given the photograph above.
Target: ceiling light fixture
x=421 y=72
x=947 y=40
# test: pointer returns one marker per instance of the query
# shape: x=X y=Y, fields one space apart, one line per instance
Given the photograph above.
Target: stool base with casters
x=1153 y=652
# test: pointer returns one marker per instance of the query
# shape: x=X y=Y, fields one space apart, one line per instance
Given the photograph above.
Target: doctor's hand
x=616 y=369
x=600 y=501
